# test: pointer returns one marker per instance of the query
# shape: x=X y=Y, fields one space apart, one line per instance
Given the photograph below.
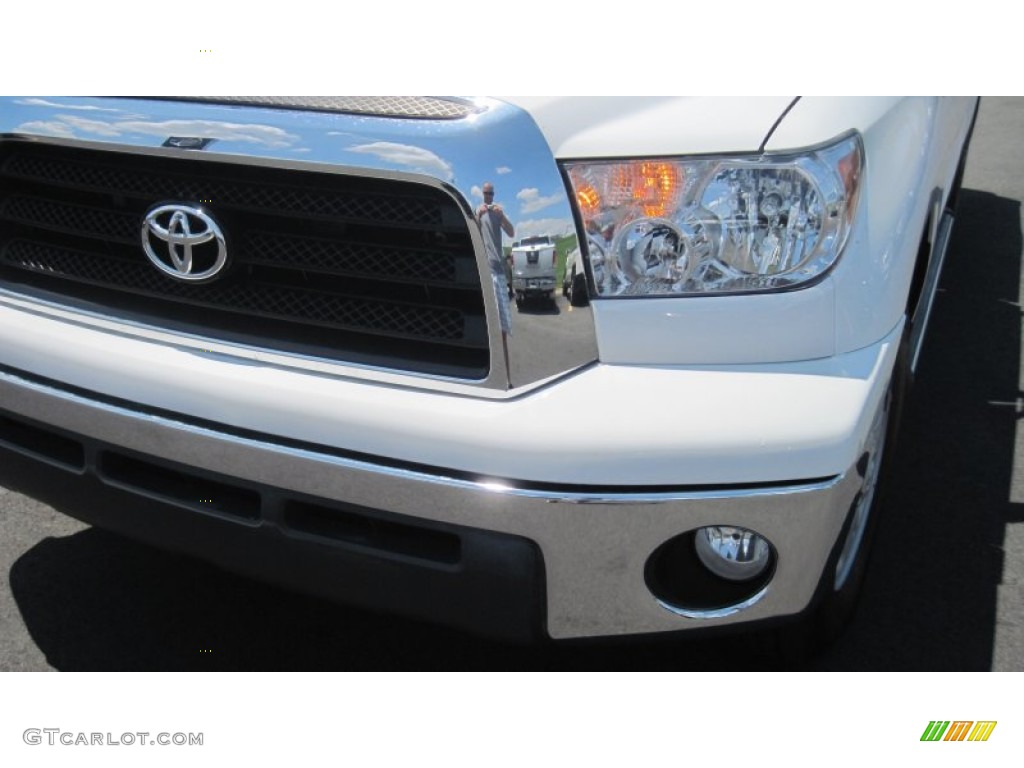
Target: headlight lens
x=717 y=225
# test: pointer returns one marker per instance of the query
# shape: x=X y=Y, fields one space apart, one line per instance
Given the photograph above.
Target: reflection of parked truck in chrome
x=534 y=261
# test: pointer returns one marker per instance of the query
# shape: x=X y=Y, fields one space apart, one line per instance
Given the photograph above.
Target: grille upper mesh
x=415 y=107
x=89 y=176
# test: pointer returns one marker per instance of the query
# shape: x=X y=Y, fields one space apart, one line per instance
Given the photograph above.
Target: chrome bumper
x=594 y=543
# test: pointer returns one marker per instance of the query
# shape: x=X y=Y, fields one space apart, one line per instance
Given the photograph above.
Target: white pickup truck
x=267 y=332
x=534 y=266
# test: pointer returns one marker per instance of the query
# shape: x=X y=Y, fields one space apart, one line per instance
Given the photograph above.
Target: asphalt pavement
x=943 y=591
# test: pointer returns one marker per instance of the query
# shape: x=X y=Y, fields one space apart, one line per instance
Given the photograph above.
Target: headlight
x=717 y=225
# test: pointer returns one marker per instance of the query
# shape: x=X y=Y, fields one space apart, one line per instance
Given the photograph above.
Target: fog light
x=735 y=554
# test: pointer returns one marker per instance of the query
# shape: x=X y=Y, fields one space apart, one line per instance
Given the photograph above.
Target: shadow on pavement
x=534 y=306
x=95 y=601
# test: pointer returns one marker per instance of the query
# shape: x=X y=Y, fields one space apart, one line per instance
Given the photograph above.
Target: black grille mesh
x=76 y=219
x=355 y=258
x=370 y=270
x=267 y=300
x=268 y=197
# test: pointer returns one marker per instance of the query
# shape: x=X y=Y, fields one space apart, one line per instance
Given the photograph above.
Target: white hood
x=627 y=126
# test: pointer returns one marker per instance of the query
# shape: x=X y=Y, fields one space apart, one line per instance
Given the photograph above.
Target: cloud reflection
x=552 y=226
x=412 y=157
x=75 y=126
x=45 y=103
x=47 y=128
x=531 y=201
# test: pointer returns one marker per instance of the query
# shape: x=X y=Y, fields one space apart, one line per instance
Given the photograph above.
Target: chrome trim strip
x=501 y=143
x=659 y=497
x=931 y=284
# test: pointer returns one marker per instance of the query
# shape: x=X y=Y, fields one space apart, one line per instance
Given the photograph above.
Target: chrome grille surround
x=451 y=157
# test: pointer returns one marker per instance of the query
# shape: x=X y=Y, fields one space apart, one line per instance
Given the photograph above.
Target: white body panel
x=911 y=147
x=664 y=426
x=580 y=127
x=763 y=328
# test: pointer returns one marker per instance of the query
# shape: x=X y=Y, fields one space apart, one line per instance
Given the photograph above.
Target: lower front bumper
x=497 y=558
x=484 y=582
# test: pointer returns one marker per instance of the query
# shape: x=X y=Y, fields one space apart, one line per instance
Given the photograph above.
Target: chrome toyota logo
x=183 y=241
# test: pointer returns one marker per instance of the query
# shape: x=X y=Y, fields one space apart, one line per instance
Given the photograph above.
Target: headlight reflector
x=717 y=225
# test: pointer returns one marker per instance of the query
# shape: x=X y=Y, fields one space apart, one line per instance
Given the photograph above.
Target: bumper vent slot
x=183 y=488
x=350 y=526
x=41 y=443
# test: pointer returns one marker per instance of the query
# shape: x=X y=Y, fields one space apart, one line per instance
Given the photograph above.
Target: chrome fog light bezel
x=682 y=584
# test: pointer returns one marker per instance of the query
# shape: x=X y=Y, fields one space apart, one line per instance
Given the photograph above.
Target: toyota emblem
x=184 y=241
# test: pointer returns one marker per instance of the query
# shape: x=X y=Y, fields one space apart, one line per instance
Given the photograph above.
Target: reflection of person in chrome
x=494 y=216
x=493 y=222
